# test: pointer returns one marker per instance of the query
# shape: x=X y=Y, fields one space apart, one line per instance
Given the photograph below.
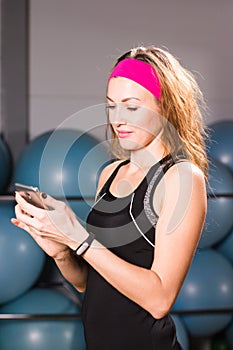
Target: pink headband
x=140 y=72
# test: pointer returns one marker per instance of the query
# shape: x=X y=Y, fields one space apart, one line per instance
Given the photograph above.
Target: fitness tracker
x=85 y=245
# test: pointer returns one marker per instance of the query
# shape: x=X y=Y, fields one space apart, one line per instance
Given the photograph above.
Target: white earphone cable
x=135 y=223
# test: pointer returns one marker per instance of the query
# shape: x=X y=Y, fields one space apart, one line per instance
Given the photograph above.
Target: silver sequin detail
x=147 y=206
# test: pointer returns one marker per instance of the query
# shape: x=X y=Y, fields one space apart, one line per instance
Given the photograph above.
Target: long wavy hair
x=181 y=106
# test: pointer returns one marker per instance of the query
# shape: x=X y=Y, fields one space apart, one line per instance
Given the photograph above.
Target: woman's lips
x=123 y=133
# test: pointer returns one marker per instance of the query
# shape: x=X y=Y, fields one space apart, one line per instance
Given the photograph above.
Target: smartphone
x=31 y=194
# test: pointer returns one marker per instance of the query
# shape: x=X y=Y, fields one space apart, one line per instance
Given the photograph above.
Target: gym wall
x=74 y=43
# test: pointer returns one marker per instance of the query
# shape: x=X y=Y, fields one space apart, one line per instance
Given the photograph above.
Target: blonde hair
x=180 y=105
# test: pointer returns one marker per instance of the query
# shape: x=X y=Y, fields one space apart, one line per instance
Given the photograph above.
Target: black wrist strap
x=85 y=245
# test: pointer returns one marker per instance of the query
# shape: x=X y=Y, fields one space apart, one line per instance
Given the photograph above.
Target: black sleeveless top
x=126 y=226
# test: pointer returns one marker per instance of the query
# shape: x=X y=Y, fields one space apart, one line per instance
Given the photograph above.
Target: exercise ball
x=220 y=178
x=64 y=163
x=220 y=144
x=219 y=219
x=43 y=334
x=21 y=259
x=6 y=165
x=208 y=285
x=182 y=334
x=225 y=246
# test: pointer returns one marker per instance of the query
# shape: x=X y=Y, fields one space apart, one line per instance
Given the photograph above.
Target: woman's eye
x=132 y=108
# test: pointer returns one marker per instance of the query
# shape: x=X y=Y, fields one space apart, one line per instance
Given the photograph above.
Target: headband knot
x=140 y=72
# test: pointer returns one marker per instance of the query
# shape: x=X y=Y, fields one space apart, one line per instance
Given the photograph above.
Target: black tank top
x=126 y=226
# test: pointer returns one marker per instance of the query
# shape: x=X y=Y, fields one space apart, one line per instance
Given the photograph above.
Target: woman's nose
x=117 y=116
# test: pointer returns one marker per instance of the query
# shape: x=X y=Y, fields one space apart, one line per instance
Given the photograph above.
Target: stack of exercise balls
x=37 y=334
x=209 y=283
x=66 y=164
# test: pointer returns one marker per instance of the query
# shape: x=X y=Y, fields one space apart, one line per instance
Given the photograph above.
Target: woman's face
x=133 y=113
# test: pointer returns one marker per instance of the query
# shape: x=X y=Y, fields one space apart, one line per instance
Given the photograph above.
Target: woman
x=150 y=208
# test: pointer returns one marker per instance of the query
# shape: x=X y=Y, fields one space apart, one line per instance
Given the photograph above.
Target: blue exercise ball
x=6 y=166
x=226 y=246
x=43 y=334
x=208 y=285
x=220 y=178
x=21 y=259
x=181 y=331
x=64 y=163
x=219 y=219
x=220 y=145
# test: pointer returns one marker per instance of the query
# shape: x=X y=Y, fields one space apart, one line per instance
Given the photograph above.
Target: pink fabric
x=140 y=72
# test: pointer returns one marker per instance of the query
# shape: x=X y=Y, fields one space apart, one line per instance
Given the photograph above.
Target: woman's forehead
x=121 y=88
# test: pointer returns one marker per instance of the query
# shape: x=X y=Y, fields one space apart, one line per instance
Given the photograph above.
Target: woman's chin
x=129 y=145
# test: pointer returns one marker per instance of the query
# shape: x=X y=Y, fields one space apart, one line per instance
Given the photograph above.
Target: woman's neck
x=149 y=155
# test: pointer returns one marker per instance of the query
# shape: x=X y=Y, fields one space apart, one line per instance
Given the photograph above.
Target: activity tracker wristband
x=85 y=245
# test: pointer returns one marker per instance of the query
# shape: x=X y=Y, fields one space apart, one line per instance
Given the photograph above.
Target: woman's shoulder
x=183 y=170
x=186 y=167
x=183 y=175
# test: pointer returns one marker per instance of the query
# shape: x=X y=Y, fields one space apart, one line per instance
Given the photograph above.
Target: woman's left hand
x=60 y=223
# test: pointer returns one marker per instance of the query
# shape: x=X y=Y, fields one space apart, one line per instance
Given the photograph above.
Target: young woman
x=150 y=208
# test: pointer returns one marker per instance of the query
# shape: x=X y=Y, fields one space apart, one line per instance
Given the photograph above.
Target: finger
x=27 y=219
x=33 y=232
x=27 y=207
x=15 y=221
x=20 y=224
x=38 y=235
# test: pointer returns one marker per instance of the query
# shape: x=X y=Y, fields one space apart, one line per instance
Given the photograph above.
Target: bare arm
x=176 y=240
x=74 y=269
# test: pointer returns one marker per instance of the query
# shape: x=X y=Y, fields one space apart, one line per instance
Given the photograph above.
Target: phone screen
x=31 y=194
